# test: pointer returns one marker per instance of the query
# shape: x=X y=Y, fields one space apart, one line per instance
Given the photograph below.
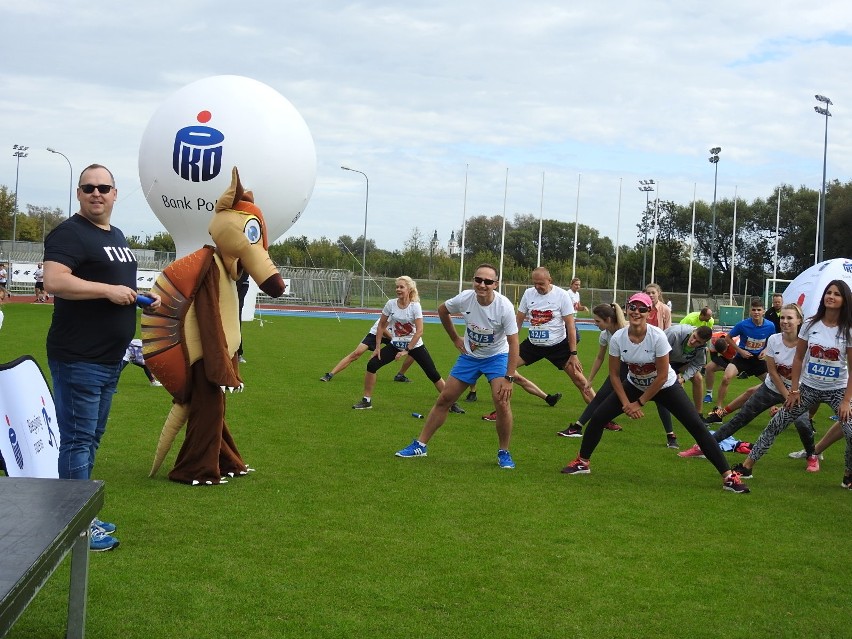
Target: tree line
x=595 y=255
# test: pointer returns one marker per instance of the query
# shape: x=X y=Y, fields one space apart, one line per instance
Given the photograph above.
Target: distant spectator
x=133 y=355
x=660 y=315
x=774 y=313
x=38 y=274
x=704 y=317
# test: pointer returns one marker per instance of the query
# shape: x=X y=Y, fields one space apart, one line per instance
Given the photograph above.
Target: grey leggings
x=808 y=397
x=763 y=399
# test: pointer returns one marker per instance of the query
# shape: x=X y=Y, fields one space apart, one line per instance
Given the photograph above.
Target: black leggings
x=419 y=355
x=674 y=399
x=603 y=392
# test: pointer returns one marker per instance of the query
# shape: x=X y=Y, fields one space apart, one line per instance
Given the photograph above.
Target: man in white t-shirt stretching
x=489 y=347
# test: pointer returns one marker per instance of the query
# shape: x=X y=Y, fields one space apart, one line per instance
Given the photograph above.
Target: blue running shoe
x=414 y=449
x=708 y=398
x=99 y=541
x=504 y=459
x=104 y=526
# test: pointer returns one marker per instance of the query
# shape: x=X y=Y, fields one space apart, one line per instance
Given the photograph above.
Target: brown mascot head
x=239 y=233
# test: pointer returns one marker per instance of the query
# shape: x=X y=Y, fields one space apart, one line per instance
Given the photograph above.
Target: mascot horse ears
x=234 y=194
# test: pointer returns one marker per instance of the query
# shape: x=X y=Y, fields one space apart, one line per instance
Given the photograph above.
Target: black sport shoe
x=715 y=416
x=847 y=482
x=732 y=482
x=574 y=430
x=742 y=471
x=326 y=378
x=399 y=377
x=471 y=397
x=671 y=442
x=364 y=404
x=455 y=408
x=552 y=399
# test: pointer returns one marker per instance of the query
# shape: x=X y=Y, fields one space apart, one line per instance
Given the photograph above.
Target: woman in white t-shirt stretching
x=820 y=375
x=403 y=318
x=780 y=351
x=645 y=349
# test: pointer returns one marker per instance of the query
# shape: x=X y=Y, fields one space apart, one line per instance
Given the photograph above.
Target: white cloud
x=412 y=94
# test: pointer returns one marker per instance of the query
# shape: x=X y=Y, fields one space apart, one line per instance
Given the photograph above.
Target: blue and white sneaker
x=414 y=449
x=504 y=459
x=99 y=541
x=104 y=526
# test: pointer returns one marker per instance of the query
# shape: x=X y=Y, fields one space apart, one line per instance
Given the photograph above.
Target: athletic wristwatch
x=511 y=378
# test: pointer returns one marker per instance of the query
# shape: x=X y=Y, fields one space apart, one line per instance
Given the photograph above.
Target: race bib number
x=642 y=375
x=400 y=344
x=480 y=337
x=539 y=335
x=824 y=369
x=643 y=381
x=754 y=345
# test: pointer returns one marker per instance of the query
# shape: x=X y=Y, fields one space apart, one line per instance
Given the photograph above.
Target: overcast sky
x=600 y=93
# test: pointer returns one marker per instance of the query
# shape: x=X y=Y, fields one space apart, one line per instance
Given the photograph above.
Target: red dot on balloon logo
x=204 y=117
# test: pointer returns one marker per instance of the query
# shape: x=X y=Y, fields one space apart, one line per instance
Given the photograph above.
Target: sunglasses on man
x=484 y=280
x=103 y=189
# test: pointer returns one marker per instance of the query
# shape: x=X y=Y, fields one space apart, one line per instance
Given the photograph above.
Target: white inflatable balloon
x=807 y=288
x=210 y=126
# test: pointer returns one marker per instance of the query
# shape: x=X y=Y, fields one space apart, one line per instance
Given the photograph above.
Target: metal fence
x=342 y=288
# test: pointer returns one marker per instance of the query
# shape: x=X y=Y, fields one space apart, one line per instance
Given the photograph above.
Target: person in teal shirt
x=704 y=317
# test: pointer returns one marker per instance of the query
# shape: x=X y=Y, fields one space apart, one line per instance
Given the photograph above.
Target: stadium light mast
x=821 y=214
x=714 y=160
x=647 y=186
x=19 y=152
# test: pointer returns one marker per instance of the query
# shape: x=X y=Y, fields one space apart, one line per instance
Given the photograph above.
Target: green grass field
x=333 y=536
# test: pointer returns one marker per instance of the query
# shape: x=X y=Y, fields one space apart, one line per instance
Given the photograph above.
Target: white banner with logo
x=30 y=437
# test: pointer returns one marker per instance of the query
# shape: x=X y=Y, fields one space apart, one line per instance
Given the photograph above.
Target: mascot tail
x=174 y=422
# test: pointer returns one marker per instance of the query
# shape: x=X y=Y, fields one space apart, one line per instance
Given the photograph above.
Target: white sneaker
x=156 y=382
x=800 y=454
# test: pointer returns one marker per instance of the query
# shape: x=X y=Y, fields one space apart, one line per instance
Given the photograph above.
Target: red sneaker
x=577 y=467
x=692 y=451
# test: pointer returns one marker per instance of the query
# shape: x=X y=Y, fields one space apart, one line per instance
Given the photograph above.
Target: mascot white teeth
x=190 y=342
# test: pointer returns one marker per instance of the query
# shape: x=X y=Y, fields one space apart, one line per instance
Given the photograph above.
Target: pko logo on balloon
x=197 y=155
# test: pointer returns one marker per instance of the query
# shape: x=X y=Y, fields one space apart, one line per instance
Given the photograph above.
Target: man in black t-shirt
x=774 y=313
x=91 y=273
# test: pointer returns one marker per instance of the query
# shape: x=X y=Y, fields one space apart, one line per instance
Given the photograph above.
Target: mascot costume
x=190 y=342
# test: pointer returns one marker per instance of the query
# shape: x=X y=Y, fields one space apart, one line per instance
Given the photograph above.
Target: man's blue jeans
x=82 y=392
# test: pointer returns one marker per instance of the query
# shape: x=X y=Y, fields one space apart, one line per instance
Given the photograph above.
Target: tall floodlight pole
x=433 y=246
x=19 y=152
x=464 y=224
x=714 y=160
x=70 y=179
x=821 y=221
x=364 y=249
x=540 y=222
x=733 y=249
x=576 y=227
x=656 y=233
x=691 y=250
x=503 y=233
x=617 y=233
x=647 y=186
